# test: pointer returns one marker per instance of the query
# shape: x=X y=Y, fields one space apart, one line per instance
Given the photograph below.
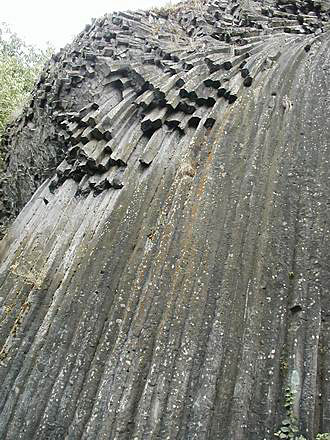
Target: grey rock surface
x=165 y=219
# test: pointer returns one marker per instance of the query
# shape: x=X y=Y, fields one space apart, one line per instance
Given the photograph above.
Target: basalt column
x=164 y=266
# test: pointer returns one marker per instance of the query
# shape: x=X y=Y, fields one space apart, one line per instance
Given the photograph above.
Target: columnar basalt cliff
x=165 y=220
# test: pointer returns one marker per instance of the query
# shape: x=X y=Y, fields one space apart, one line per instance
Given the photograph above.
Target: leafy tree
x=20 y=65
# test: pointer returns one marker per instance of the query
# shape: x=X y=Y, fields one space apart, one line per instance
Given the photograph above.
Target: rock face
x=167 y=275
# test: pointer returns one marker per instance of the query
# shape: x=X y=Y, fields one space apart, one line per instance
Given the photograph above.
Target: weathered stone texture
x=167 y=275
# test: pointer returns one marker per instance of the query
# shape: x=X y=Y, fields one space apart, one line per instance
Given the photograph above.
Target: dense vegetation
x=20 y=64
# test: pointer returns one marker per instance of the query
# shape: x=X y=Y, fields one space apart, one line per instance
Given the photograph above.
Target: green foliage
x=16 y=82
x=289 y=427
x=20 y=65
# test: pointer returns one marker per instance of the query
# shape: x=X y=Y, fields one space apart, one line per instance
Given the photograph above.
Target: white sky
x=58 y=21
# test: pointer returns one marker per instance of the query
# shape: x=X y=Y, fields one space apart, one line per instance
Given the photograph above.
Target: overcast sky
x=58 y=21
